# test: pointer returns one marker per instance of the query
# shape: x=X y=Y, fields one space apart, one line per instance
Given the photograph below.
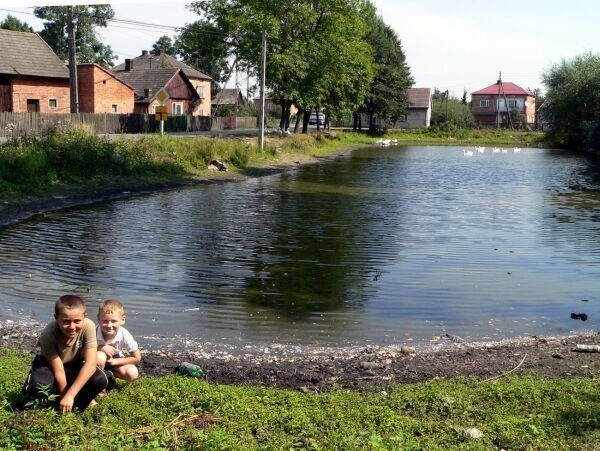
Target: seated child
x=117 y=350
x=67 y=363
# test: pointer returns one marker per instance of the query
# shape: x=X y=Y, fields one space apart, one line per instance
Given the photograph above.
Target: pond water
x=380 y=246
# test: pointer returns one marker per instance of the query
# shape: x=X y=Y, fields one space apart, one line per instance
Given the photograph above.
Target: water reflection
x=380 y=246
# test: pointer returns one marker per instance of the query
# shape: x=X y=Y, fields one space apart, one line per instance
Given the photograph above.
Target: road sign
x=162 y=95
x=160 y=113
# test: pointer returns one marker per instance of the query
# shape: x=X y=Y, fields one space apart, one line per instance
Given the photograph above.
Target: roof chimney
x=128 y=64
x=147 y=92
x=144 y=52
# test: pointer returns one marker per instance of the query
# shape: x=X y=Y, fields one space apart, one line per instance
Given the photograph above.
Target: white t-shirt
x=123 y=342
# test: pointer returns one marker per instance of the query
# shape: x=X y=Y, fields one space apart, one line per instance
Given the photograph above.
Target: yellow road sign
x=162 y=95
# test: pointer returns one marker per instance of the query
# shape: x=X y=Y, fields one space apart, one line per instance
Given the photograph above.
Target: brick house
x=200 y=82
x=491 y=105
x=32 y=77
x=100 y=91
x=182 y=100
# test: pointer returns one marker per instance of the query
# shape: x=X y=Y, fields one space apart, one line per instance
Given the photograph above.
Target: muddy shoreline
x=366 y=369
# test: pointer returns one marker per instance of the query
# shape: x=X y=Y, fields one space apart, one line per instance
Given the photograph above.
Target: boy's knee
x=127 y=372
x=101 y=358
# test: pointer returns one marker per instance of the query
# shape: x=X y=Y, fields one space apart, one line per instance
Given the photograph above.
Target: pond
x=381 y=246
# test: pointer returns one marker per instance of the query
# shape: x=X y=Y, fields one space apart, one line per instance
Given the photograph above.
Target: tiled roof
x=28 y=54
x=146 y=79
x=227 y=97
x=147 y=61
x=507 y=88
x=419 y=97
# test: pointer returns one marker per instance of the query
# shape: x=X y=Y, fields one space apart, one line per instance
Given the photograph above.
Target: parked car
x=313 y=119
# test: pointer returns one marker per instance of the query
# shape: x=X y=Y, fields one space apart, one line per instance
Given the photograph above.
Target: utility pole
x=263 y=70
x=71 y=25
x=499 y=83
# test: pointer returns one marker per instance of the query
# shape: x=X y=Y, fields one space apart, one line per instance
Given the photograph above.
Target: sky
x=456 y=46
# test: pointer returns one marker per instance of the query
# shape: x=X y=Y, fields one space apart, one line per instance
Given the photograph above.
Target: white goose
x=516 y=149
x=495 y=150
x=467 y=153
x=480 y=149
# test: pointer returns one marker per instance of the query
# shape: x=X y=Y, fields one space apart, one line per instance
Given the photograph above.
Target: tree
x=89 y=48
x=386 y=98
x=14 y=24
x=448 y=112
x=202 y=45
x=317 y=54
x=163 y=45
x=573 y=102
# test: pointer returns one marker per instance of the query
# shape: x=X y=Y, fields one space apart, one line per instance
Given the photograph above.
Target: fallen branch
x=508 y=372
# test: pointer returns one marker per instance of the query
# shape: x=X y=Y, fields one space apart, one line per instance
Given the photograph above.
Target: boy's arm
x=132 y=359
x=87 y=370
x=58 y=370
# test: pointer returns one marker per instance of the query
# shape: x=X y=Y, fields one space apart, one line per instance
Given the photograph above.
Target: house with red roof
x=503 y=104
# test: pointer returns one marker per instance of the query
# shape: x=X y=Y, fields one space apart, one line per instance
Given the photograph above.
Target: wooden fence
x=37 y=124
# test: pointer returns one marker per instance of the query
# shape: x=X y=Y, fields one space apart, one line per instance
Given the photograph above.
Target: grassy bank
x=74 y=161
x=176 y=412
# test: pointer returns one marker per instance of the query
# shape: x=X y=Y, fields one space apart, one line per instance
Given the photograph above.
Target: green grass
x=176 y=412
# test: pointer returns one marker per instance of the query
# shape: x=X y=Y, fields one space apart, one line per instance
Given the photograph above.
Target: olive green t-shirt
x=52 y=342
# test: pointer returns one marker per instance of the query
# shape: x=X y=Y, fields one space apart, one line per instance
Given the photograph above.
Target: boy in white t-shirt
x=117 y=350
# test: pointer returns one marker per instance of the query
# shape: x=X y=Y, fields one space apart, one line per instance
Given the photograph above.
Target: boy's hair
x=68 y=302
x=111 y=306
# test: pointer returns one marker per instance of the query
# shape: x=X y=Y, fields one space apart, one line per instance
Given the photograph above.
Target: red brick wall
x=98 y=91
x=41 y=89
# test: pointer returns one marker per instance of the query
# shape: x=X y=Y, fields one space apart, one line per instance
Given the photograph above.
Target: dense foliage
x=318 y=56
x=449 y=112
x=89 y=48
x=14 y=24
x=572 y=106
x=386 y=98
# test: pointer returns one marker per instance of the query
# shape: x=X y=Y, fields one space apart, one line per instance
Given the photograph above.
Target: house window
x=177 y=108
x=200 y=91
x=52 y=104
x=114 y=109
x=202 y=112
x=153 y=109
x=484 y=103
x=512 y=103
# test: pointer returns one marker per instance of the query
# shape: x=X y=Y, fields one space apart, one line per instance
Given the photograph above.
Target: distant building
x=32 y=78
x=232 y=99
x=418 y=113
x=148 y=62
x=491 y=105
x=100 y=91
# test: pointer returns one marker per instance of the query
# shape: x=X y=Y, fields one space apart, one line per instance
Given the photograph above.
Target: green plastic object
x=189 y=369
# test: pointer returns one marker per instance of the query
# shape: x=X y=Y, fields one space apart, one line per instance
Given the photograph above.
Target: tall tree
x=317 y=54
x=572 y=107
x=202 y=45
x=14 y=24
x=387 y=94
x=164 y=44
x=89 y=47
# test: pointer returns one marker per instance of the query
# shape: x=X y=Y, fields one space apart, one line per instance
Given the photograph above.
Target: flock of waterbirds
x=480 y=149
x=466 y=152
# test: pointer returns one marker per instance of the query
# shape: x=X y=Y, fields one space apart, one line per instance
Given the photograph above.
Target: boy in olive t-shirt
x=67 y=364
